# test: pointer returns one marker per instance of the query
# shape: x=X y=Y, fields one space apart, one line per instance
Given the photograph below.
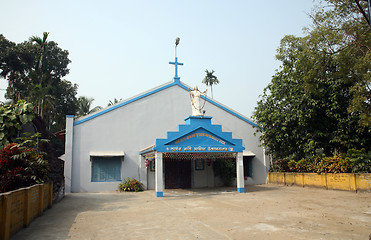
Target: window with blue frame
x=105 y=169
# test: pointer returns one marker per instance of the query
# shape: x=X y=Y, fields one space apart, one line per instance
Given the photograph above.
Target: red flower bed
x=20 y=167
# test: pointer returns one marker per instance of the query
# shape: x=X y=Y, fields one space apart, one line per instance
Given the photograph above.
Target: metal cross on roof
x=176 y=63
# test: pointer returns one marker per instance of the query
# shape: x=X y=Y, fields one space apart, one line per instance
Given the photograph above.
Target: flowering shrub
x=281 y=165
x=21 y=167
x=131 y=185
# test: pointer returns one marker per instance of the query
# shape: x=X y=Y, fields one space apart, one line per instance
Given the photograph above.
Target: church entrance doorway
x=177 y=173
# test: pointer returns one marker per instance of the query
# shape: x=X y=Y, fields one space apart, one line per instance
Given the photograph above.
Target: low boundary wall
x=338 y=181
x=18 y=208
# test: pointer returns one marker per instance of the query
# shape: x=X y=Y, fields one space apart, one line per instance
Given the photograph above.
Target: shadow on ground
x=60 y=218
x=176 y=193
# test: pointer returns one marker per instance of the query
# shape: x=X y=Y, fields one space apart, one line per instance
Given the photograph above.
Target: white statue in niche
x=196 y=101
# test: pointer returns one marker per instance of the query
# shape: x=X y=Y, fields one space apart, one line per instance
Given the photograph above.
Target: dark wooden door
x=177 y=174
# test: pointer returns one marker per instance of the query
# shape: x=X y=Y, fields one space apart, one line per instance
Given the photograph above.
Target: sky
x=119 y=49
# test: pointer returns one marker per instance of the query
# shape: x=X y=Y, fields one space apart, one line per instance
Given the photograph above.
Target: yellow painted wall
x=34 y=202
x=341 y=181
x=2 y=216
x=18 y=208
x=363 y=181
x=294 y=179
x=276 y=177
x=17 y=205
x=315 y=180
x=338 y=181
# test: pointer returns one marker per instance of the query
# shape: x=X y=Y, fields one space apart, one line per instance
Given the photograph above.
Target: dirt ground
x=263 y=212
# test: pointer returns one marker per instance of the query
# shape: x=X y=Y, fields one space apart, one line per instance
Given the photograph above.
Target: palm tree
x=115 y=100
x=210 y=80
x=42 y=44
x=84 y=106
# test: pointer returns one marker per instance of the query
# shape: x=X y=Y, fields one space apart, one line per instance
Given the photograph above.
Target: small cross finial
x=176 y=63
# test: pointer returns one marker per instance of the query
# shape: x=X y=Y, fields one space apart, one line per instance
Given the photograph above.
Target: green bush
x=361 y=160
x=12 y=118
x=130 y=185
x=355 y=161
x=226 y=170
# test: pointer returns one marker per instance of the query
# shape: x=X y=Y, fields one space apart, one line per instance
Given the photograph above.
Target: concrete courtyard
x=263 y=212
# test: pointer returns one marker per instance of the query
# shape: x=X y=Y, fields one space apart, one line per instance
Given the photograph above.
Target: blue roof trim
x=174 y=83
x=124 y=103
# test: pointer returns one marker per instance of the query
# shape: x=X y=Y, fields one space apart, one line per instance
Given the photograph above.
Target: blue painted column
x=240 y=174
x=159 y=175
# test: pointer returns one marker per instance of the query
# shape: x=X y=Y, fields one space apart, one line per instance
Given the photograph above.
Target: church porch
x=193 y=170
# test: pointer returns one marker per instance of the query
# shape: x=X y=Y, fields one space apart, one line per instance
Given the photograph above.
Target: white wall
x=202 y=178
x=150 y=179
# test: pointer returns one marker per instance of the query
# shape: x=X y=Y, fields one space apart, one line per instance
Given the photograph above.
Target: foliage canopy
x=319 y=99
x=35 y=70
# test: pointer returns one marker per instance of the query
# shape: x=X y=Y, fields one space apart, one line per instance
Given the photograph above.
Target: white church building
x=160 y=139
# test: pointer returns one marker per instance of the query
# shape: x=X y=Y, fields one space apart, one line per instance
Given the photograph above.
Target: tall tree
x=35 y=70
x=320 y=97
x=16 y=62
x=64 y=104
x=38 y=91
x=210 y=79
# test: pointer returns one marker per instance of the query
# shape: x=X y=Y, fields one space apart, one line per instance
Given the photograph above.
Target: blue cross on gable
x=176 y=63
